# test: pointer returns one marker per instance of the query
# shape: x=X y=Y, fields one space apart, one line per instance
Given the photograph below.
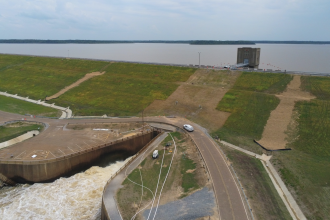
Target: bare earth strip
x=274 y=136
x=86 y=77
x=198 y=98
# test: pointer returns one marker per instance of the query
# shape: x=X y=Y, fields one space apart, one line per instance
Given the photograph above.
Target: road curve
x=228 y=195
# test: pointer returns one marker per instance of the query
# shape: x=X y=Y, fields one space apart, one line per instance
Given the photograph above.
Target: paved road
x=228 y=197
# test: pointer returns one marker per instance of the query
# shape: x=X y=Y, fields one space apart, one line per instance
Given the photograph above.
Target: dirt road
x=77 y=83
x=274 y=136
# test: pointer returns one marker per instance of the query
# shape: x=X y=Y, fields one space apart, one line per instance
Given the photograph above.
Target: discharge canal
x=76 y=197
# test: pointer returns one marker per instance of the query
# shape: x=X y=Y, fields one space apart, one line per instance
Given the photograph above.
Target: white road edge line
x=160 y=172
x=160 y=193
x=142 y=156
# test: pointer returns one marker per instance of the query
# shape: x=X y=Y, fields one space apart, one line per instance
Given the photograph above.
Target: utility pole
x=199 y=55
x=142 y=120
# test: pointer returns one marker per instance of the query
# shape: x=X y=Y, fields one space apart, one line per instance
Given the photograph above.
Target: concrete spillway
x=51 y=169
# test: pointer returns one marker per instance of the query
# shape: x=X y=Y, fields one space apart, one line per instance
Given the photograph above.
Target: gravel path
x=197 y=205
x=77 y=83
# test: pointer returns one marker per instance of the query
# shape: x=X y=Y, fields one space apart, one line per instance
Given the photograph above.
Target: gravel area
x=197 y=205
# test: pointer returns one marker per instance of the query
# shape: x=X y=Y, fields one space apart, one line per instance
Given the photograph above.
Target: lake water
x=290 y=57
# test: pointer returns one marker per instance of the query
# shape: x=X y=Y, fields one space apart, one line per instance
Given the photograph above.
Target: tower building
x=248 y=55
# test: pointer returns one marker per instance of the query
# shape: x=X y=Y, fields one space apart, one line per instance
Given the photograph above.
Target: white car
x=188 y=127
x=155 y=154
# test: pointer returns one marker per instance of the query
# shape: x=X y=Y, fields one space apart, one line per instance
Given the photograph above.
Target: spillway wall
x=49 y=170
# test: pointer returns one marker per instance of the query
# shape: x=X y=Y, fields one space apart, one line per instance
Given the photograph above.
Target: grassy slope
x=38 y=77
x=150 y=172
x=125 y=89
x=250 y=101
x=7 y=132
x=263 y=197
x=306 y=168
x=21 y=107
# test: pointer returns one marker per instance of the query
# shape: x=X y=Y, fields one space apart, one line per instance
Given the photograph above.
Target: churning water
x=75 y=197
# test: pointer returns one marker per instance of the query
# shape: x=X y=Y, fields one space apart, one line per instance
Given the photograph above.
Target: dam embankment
x=38 y=171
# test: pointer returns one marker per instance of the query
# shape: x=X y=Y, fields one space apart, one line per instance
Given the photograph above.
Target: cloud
x=165 y=19
x=37 y=15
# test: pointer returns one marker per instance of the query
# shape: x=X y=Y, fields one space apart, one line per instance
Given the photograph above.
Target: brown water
x=303 y=57
x=76 y=197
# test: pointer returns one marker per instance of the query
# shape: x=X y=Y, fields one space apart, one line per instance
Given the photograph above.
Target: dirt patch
x=190 y=171
x=198 y=98
x=275 y=135
x=77 y=83
x=106 y=131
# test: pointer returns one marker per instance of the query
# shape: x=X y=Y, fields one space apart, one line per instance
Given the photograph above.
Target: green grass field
x=263 y=197
x=125 y=89
x=318 y=86
x=14 y=130
x=305 y=169
x=38 y=77
x=271 y=83
x=17 y=106
x=250 y=103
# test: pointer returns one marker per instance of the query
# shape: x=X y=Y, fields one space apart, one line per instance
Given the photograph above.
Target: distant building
x=248 y=55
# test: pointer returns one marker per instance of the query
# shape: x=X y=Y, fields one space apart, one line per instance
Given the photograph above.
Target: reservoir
x=290 y=57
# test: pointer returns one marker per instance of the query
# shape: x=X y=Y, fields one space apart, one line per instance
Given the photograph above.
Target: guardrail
x=123 y=167
x=32 y=122
x=271 y=150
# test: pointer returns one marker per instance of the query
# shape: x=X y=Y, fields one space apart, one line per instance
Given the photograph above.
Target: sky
x=165 y=19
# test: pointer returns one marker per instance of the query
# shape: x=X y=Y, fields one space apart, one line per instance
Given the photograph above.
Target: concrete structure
x=51 y=169
x=248 y=55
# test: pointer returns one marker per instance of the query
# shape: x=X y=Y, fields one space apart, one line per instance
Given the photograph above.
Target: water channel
x=74 y=197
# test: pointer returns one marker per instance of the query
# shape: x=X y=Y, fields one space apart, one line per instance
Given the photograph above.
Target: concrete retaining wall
x=49 y=170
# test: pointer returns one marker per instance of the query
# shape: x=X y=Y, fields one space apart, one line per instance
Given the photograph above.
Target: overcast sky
x=165 y=19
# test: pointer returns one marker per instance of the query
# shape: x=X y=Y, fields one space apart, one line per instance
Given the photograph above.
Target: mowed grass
x=250 y=103
x=263 y=197
x=125 y=89
x=17 y=106
x=306 y=169
x=271 y=83
x=14 y=130
x=129 y=196
x=318 y=86
x=38 y=77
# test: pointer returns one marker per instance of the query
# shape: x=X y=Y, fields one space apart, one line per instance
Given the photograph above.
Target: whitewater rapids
x=75 y=197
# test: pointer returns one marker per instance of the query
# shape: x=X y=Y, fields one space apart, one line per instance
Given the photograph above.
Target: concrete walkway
x=66 y=112
x=280 y=187
x=115 y=184
x=284 y=193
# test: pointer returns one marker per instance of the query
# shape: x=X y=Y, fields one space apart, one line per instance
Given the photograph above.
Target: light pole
x=199 y=56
